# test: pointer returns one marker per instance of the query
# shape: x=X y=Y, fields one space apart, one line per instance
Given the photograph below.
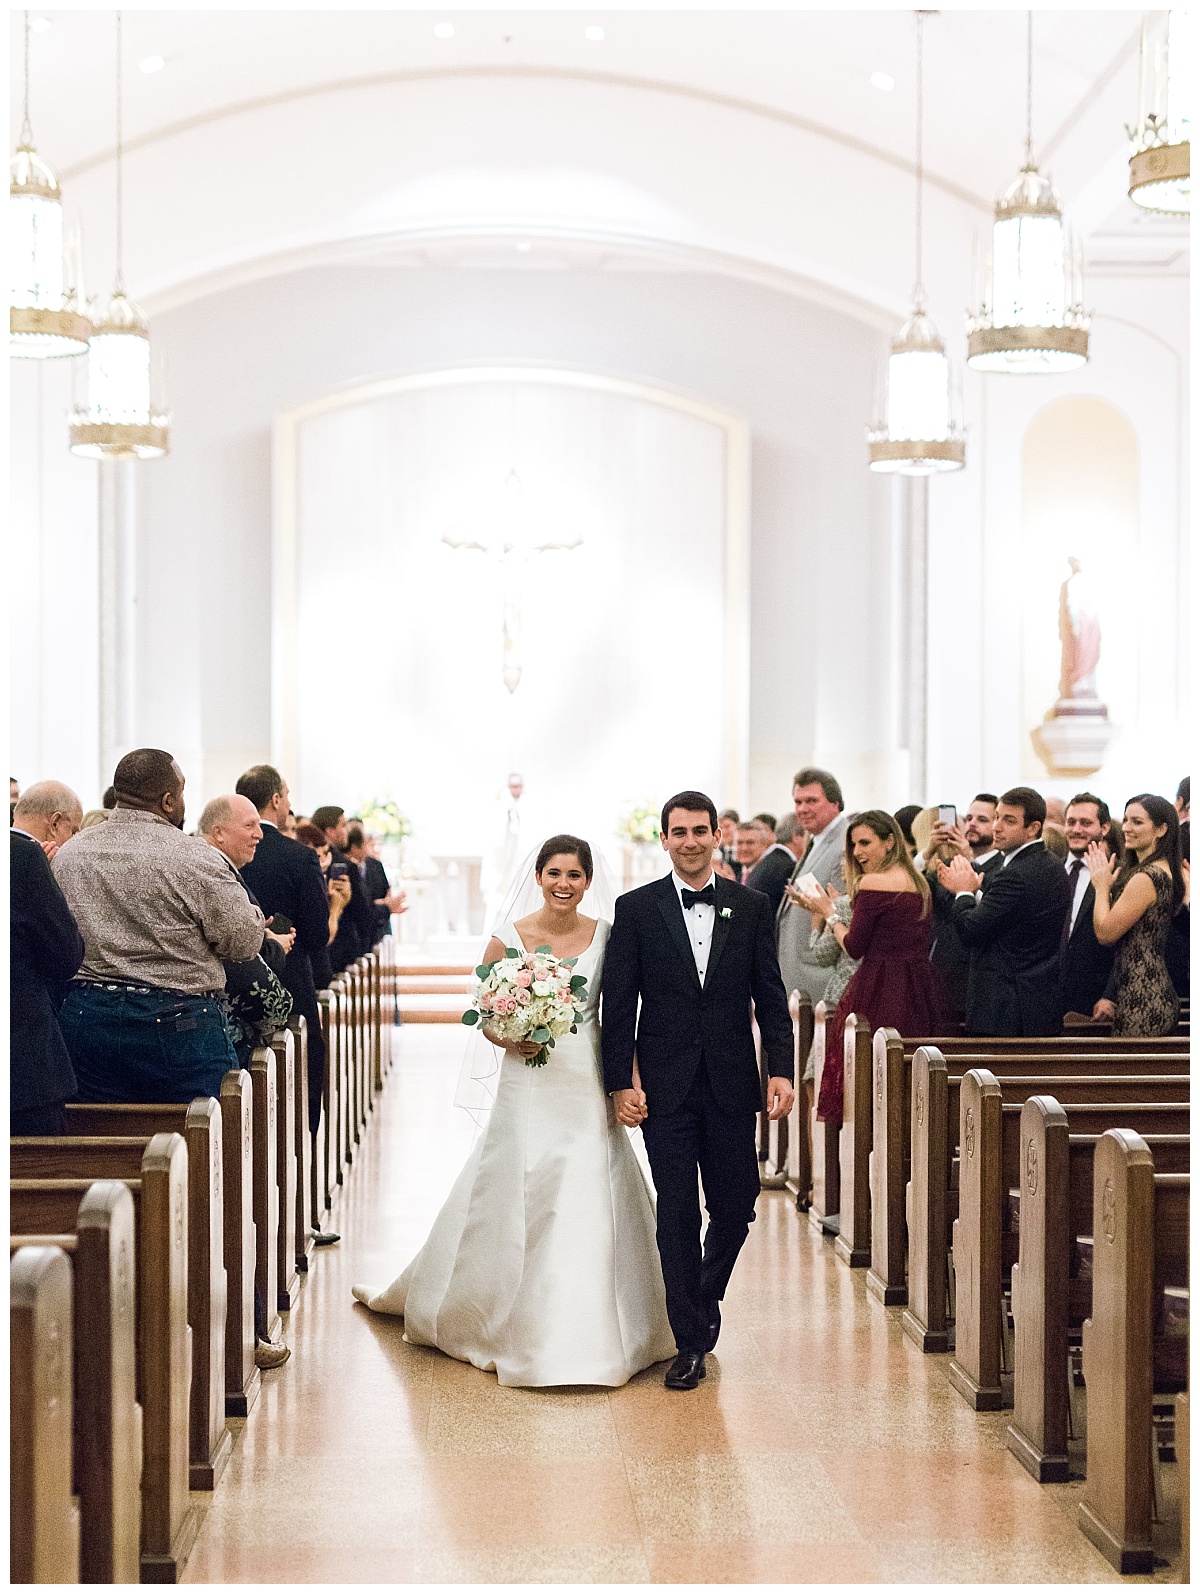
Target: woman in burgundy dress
x=895 y=984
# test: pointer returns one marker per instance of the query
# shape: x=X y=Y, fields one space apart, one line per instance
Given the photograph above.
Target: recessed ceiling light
x=884 y=81
x=40 y=24
x=152 y=63
x=594 y=32
x=443 y=30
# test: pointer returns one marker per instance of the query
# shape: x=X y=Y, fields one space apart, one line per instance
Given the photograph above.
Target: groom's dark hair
x=692 y=802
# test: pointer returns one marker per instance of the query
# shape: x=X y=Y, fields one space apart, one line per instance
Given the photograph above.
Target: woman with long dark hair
x=895 y=984
x=1133 y=911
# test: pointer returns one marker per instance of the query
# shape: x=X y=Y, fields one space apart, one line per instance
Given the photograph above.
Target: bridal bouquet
x=529 y=996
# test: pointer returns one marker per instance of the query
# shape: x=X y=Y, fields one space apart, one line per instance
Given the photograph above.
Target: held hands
x=780 y=1097
x=630 y=1106
x=1100 y=867
x=957 y=875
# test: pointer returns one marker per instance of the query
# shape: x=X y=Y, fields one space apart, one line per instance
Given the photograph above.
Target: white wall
x=802 y=376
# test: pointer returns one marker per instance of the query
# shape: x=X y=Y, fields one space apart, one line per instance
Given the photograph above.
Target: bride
x=542 y=1264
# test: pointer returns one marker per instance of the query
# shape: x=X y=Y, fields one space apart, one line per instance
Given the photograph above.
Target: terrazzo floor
x=823 y=1447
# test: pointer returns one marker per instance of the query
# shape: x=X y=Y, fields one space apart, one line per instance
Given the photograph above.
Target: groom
x=696 y=949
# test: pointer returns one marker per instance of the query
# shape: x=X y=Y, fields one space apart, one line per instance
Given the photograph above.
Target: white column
x=118 y=600
x=913 y=649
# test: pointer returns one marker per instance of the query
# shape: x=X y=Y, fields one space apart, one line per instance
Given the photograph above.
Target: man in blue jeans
x=159 y=912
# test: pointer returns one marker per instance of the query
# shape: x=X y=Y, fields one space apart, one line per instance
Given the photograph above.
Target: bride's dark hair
x=568 y=846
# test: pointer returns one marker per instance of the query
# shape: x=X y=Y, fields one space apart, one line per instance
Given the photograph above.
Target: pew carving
x=283 y=1047
x=799 y=1141
x=826 y=1190
x=266 y=1186
x=975 y=1368
x=853 y=1243
x=889 y=1124
x=305 y=1213
x=925 y=1320
x=242 y=1378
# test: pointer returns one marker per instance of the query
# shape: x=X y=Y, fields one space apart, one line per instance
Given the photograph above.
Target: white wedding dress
x=542 y=1265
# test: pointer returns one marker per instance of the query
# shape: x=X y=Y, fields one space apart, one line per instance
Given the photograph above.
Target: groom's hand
x=780 y=1097
x=630 y=1106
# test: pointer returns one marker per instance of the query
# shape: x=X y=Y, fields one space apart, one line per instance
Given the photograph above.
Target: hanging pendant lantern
x=120 y=419
x=1031 y=319
x=920 y=431
x=44 y=320
x=1160 y=167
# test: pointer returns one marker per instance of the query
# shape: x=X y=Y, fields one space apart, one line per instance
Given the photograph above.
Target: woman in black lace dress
x=1134 y=911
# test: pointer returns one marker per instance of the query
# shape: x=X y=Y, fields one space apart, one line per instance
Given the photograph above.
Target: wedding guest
x=159 y=912
x=790 y=833
x=45 y=949
x=817 y=802
x=1178 y=951
x=94 y=816
x=1086 y=964
x=337 y=895
x=727 y=831
x=829 y=952
x=48 y=813
x=772 y=872
x=1055 y=838
x=750 y=842
x=894 y=984
x=357 y=924
x=14 y=791
x=937 y=844
x=1014 y=927
x=1183 y=799
x=768 y=822
x=1133 y=910
x=384 y=901
x=109 y=800
x=904 y=818
x=1056 y=813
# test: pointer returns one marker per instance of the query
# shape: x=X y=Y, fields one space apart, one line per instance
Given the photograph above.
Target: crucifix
x=512 y=547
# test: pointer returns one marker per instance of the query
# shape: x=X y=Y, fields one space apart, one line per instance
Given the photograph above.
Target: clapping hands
x=1100 y=866
x=957 y=875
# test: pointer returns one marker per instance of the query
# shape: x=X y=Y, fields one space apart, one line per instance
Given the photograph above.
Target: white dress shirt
x=1083 y=880
x=699 y=919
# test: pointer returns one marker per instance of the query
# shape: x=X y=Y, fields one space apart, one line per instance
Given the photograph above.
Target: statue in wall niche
x=1079 y=631
x=1075 y=734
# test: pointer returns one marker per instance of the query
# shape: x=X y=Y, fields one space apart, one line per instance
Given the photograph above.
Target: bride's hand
x=522 y=1048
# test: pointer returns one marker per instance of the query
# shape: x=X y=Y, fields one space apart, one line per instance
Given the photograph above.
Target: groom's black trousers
x=702 y=1134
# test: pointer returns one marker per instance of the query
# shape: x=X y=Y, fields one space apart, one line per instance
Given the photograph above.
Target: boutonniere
x=726 y=913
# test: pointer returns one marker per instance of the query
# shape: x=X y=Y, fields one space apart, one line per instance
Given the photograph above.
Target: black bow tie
x=709 y=895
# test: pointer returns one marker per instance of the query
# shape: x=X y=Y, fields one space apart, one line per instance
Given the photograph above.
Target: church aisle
x=822 y=1448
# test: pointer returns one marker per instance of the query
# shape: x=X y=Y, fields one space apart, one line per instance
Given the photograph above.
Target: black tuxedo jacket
x=377 y=885
x=949 y=956
x=45 y=950
x=1014 y=933
x=286 y=878
x=771 y=873
x=356 y=927
x=1086 y=965
x=683 y=1025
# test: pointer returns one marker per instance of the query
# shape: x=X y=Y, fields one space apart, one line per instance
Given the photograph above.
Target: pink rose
x=486 y=1001
x=524 y=978
x=524 y=998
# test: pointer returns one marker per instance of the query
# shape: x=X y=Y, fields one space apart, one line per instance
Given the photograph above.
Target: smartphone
x=281 y=924
x=339 y=871
x=947 y=815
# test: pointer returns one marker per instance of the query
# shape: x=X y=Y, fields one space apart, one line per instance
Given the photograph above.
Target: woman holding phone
x=337 y=892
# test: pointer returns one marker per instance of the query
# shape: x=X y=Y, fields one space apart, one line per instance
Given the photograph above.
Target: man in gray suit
x=817 y=799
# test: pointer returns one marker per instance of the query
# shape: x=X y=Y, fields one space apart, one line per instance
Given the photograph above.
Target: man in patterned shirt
x=159 y=913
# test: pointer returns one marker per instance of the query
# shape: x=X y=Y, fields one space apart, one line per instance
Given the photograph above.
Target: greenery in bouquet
x=528 y=996
x=382 y=817
x=639 y=824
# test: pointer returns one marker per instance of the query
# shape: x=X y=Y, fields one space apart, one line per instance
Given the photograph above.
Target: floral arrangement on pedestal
x=639 y=825
x=382 y=817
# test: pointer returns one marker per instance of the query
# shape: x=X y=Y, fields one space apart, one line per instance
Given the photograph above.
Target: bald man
x=159 y=912
x=48 y=813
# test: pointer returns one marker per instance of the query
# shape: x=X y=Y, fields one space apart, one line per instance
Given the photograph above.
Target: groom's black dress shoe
x=714 y=1323
x=686 y=1371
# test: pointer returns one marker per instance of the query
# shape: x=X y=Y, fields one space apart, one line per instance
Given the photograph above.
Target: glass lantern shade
x=120 y=420
x=1033 y=319
x=44 y=322
x=1160 y=165
x=922 y=435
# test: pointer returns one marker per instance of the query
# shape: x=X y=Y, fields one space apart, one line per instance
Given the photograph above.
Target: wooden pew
x=169 y=1524
x=1054 y=1170
x=853 y=1243
x=1140 y=1224
x=826 y=1184
x=932 y=1195
x=799 y=1140
x=107 y=1446
x=326 y=1173
x=378 y=1023
x=266 y=1183
x=220 y=1152
x=892 y=1119
x=305 y=1187
x=43 y=1516
x=120 y=1157
x=286 y=1172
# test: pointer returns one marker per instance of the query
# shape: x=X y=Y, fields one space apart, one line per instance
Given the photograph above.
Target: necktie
x=709 y=895
x=1073 y=873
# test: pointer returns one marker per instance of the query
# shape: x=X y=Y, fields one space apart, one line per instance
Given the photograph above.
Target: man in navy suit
x=697 y=950
x=286 y=879
x=1014 y=928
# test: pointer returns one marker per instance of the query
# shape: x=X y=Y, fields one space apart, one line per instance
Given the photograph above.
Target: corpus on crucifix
x=512 y=543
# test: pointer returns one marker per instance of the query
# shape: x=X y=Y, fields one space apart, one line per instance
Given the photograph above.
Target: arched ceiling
x=375 y=106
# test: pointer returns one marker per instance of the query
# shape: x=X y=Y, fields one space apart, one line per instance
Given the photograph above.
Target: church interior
x=491 y=422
